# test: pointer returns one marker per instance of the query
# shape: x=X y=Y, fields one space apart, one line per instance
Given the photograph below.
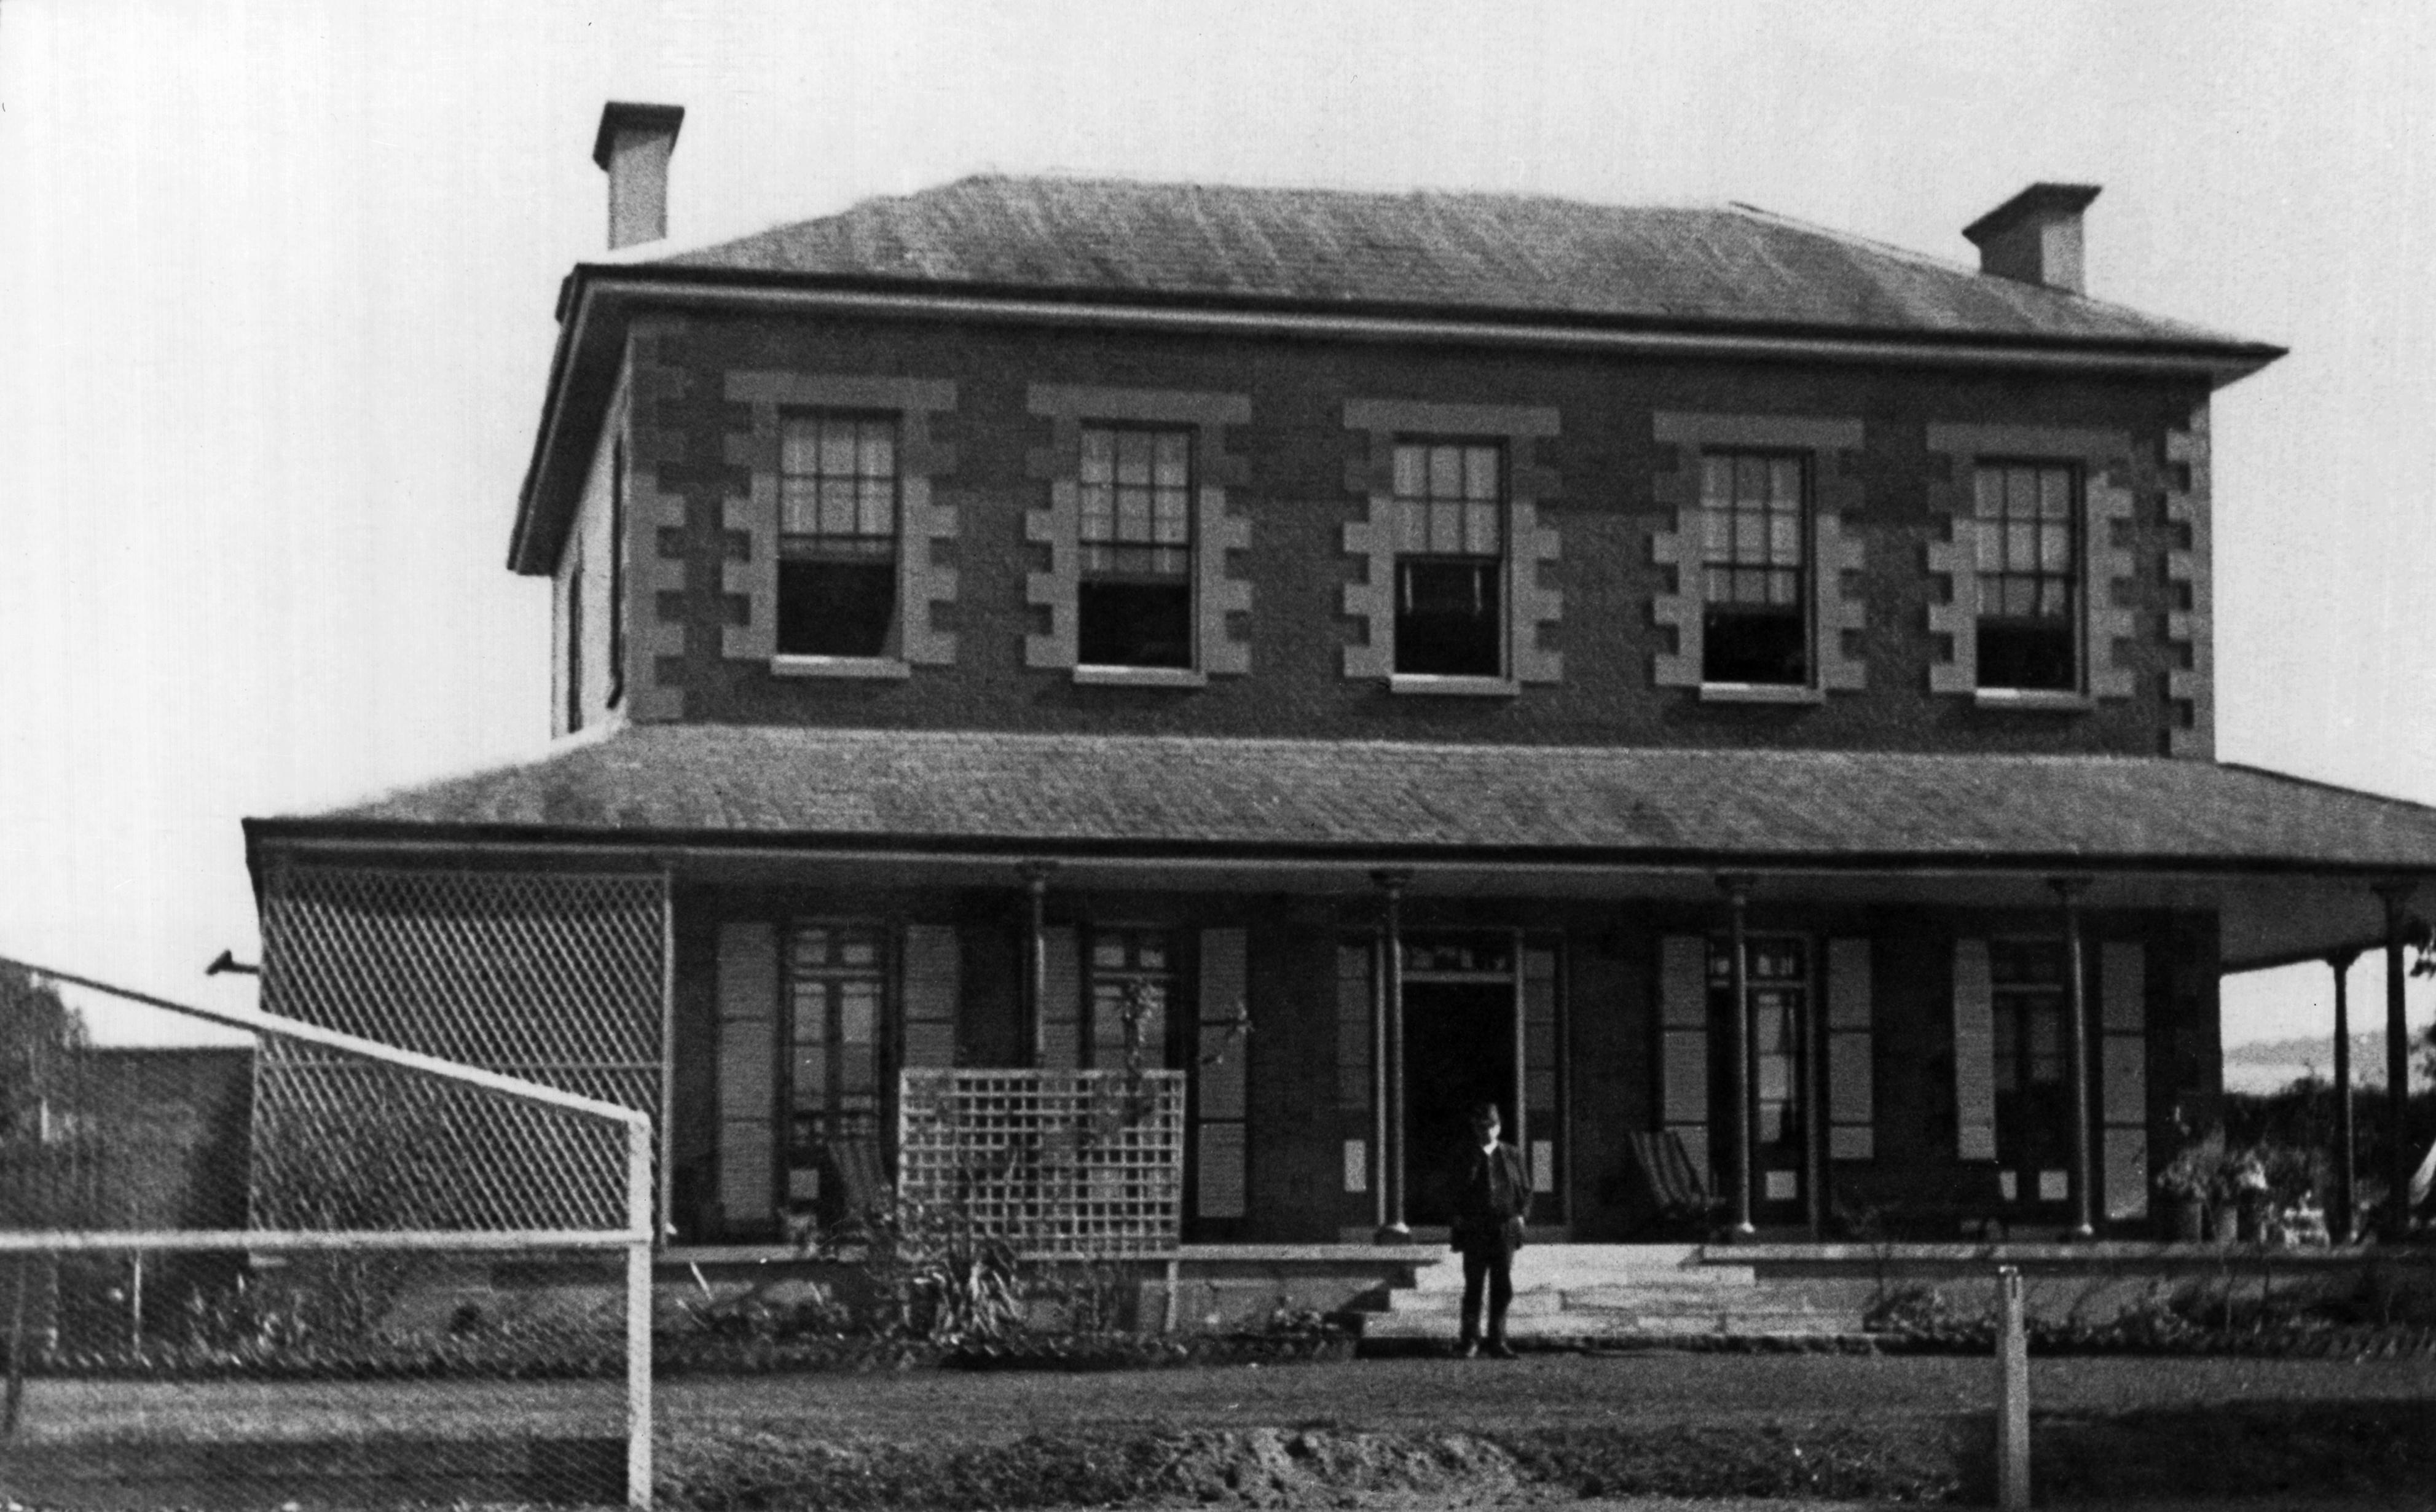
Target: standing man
x=1488 y=1211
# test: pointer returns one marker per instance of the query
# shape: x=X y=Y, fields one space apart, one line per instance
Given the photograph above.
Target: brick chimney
x=2035 y=237
x=632 y=147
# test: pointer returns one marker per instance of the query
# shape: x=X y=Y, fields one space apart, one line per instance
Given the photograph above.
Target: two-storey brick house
x=1662 y=669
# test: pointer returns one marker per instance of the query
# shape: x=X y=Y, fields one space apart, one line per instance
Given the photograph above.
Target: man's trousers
x=1496 y=1268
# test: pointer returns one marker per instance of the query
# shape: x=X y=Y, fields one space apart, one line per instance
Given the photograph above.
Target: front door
x=1781 y=1000
x=2033 y=1090
x=1458 y=1051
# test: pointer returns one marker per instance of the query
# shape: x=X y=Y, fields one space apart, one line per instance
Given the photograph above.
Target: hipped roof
x=1506 y=252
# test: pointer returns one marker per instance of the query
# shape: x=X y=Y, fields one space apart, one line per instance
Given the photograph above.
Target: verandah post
x=2075 y=1007
x=1036 y=958
x=1745 y=1054
x=1391 y=1161
x=2397 y=1064
x=2341 y=1220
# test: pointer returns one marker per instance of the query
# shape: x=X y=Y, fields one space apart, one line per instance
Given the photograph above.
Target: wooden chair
x=1673 y=1182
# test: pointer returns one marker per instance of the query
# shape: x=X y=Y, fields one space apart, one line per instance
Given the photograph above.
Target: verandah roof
x=1111 y=794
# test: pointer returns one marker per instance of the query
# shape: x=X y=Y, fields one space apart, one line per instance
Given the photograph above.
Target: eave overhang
x=597 y=300
x=2273 y=911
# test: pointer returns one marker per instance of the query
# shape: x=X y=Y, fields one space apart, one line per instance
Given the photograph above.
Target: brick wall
x=1289 y=484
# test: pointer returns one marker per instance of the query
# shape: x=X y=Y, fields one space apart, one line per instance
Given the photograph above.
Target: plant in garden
x=940 y=1278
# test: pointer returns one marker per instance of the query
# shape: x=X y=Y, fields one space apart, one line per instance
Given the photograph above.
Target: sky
x=277 y=284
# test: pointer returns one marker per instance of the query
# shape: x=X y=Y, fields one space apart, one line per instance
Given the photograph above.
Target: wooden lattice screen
x=1058 y=1162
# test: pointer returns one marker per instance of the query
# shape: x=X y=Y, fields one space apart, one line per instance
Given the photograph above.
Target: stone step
x=1534 y=1275
x=1525 y=1305
x=1595 y=1325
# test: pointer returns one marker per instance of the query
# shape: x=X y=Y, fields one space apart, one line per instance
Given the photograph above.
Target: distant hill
x=2271 y=1065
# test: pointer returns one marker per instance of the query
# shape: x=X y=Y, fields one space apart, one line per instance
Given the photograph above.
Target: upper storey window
x=1449 y=559
x=1134 y=600
x=837 y=535
x=1755 y=613
x=2030 y=575
x=1768 y=599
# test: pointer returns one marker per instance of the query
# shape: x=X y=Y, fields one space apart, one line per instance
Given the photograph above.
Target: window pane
x=857 y=1074
x=1717 y=585
x=877 y=450
x=1099 y=517
x=2055 y=601
x=1785 y=539
x=2046 y=1031
x=2055 y=493
x=1785 y=481
x=799 y=506
x=1446 y=525
x=1133 y=509
x=1412 y=526
x=858 y=1012
x=1480 y=473
x=2054 y=549
x=1134 y=448
x=1783 y=589
x=837 y=508
x=1480 y=529
x=1751 y=537
x=1750 y=479
x=837 y=449
x=1410 y=469
x=2020 y=492
x=1718 y=536
x=1099 y=456
x=1716 y=480
x=2021 y=545
x=811 y=1075
x=878 y=511
x=799 y=447
x=1989 y=485
x=1173 y=450
x=1446 y=472
x=1171 y=516
x=1992 y=546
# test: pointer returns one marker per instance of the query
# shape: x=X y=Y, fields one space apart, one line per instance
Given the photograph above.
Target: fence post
x=638 y=1316
x=16 y=1391
x=2012 y=1395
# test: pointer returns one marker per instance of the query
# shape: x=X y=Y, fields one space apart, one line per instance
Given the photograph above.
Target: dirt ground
x=1532 y=1392
x=1644 y=1431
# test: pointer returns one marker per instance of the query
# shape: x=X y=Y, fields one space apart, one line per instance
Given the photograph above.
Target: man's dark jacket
x=1488 y=1211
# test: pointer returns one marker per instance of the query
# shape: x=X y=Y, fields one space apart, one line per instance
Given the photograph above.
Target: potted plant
x=2243 y=1204
x=2185 y=1185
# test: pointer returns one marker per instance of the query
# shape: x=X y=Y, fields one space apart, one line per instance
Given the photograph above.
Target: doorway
x=1458 y=1051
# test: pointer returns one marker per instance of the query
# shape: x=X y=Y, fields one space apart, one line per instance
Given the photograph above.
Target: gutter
x=311 y=836
x=591 y=286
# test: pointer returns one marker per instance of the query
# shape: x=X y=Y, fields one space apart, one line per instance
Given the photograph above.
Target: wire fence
x=321 y=1269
